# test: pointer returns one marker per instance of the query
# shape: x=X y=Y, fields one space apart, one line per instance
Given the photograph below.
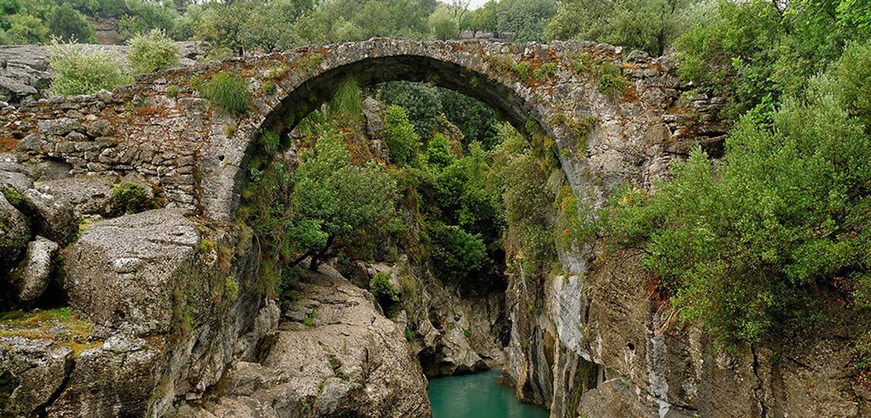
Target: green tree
x=526 y=19
x=648 y=25
x=68 y=24
x=443 y=25
x=333 y=200
x=754 y=52
x=152 y=52
x=26 y=29
x=402 y=141
x=143 y=16
x=743 y=245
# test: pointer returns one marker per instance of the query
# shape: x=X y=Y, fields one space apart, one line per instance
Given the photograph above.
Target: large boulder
x=53 y=218
x=85 y=194
x=123 y=273
x=14 y=234
x=340 y=358
x=31 y=277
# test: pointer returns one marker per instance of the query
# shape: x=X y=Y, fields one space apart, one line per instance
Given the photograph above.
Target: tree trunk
x=317 y=256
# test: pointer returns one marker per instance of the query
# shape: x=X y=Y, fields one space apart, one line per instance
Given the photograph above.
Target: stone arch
x=470 y=68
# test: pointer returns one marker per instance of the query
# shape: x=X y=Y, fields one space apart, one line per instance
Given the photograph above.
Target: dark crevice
x=69 y=367
x=759 y=390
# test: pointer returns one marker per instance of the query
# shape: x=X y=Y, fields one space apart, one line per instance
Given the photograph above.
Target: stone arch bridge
x=161 y=128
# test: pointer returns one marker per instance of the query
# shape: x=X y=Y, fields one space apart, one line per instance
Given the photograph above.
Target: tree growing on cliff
x=333 y=200
x=743 y=245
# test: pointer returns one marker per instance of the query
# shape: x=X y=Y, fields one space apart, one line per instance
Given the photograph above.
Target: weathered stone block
x=123 y=273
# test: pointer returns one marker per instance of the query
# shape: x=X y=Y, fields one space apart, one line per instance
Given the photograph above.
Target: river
x=477 y=396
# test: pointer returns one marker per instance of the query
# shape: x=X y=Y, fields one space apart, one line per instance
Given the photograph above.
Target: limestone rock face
x=14 y=234
x=85 y=194
x=122 y=273
x=111 y=381
x=345 y=359
x=52 y=217
x=32 y=275
x=31 y=371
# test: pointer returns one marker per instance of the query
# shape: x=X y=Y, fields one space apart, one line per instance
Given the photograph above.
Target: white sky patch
x=474 y=4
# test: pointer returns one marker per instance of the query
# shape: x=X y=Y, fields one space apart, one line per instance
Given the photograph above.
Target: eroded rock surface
x=339 y=356
x=32 y=275
x=123 y=272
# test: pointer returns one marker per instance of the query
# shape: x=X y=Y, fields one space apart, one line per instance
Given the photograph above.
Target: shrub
x=744 y=245
x=611 y=81
x=383 y=290
x=13 y=197
x=438 y=151
x=152 y=52
x=269 y=88
x=229 y=91
x=402 y=140
x=130 y=198
x=79 y=71
x=546 y=71
x=522 y=69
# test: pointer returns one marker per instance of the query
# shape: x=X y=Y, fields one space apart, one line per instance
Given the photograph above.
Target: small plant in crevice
x=269 y=88
x=544 y=72
x=611 y=81
x=13 y=197
x=522 y=69
x=229 y=91
x=128 y=198
x=310 y=319
x=384 y=291
x=410 y=335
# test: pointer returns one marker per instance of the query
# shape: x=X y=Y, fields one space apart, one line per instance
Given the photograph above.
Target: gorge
x=179 y=308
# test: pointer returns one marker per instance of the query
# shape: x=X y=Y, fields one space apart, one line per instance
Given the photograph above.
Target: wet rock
x=122 y=273
x=32 y=275
x=52 y=217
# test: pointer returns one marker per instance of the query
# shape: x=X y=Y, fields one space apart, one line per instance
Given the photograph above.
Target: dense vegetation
x=742 y=245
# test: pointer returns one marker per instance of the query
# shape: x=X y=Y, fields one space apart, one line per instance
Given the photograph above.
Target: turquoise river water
x=477 y=396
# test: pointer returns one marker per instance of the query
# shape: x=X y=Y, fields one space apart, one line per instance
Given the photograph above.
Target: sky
x=474 y=4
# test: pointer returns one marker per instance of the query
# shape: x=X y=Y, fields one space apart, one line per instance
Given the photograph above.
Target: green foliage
x=231 y=288
x=754 y=53
x=152 y=52
x=13 y=197
x=544 y=72
x=334 y=200
x=25 y=29
x=454 y=251
x=402 y=140
x=310 y=319
x=525 y=18
x=611 y=81
x=384 y=291
x=143 y=16
x=443 y=25
x=81 y=71
x=522 y=69
x=647 y=25
x=421 y=102
x=130 y=198
x=229 y=91
x=438 y=151
x=410 y=335
x=347 y=102
x=68 y=24
x=269 y=88
x=521 y=179
x=743 y=245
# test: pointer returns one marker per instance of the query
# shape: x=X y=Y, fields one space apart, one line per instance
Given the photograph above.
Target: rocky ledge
x=334 y=355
